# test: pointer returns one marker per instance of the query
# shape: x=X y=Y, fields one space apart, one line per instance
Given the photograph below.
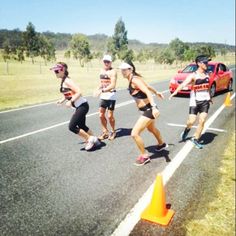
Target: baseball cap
x=202 y=58
x=125 y=66
x=57 y=67
x=107 y=58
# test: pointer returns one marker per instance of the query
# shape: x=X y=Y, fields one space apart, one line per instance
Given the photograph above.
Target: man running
x=199 y=98
x=107 y=92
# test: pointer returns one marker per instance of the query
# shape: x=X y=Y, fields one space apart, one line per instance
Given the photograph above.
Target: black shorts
x=201 y=106
x=107 y=104
x=147 y=111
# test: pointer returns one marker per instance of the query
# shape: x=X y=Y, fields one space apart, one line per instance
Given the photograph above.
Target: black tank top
x=140 y=94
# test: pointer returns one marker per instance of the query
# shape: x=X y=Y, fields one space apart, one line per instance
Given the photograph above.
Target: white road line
x=179 y=125
x=45 y=104
x=63 y=123
x=132 y=218
x=28 y=107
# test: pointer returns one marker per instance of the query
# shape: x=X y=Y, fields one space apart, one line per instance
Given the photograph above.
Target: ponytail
x=134 y=69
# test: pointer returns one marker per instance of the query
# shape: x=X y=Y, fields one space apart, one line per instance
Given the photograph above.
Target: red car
x=221 y=78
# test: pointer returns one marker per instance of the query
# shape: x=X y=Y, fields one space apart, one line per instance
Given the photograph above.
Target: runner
x=107 y=92
x=142 y=94
x=199 y=99
x=74 y=98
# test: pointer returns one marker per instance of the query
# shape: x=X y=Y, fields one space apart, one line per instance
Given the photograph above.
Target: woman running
x=142 y=94
x=74 y=98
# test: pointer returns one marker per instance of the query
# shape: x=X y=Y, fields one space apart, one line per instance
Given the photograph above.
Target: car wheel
x=230 y=85
x=213 y=90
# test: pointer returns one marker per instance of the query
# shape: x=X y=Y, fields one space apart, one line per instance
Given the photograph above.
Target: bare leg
x=140 y=125
x=111 y=119
x=151 y=128
x=103 y=119
x=202 y=119
x=191 y=120
x=84 y=135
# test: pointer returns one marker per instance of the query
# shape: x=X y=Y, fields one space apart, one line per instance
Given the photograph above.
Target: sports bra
x=140 y=94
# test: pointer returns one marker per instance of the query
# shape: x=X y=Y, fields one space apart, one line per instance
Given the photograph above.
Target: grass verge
x=220 y=216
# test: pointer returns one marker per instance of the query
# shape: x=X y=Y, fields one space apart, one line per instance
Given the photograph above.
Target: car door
x=222 y=82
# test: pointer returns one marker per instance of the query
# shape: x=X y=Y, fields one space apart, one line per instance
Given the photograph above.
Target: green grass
x=26 y=83
x=220 y=216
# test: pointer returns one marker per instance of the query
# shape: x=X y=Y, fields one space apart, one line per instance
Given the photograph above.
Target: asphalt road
x=51 y=186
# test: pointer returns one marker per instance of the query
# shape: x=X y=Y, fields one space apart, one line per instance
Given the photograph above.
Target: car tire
x=230 y=85
x=213 y=90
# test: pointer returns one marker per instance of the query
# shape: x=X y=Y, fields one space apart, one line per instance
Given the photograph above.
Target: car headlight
x=172 y=81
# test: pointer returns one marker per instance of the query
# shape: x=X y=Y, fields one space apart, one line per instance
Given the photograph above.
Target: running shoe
x=161 y=147
x=96 y=141
x=103 y=136
x=196 y=143
x=142 y=160
x=90 y=143
x=112 y=135
x=184 y=134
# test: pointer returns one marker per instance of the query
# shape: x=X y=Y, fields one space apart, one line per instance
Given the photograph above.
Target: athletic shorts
x=201 y=106
x=147 y=111
x=107 y=104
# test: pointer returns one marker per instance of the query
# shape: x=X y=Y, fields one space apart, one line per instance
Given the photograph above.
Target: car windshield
x=190 y=69
x=193 y=68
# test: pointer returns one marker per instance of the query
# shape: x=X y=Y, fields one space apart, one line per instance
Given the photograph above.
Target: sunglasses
x=107 y=62
x=204 y=62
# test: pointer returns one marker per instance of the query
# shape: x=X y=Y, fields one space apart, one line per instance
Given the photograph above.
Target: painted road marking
x=132 y=218
x=62 y=123
x=194 y=126
x=49 y=103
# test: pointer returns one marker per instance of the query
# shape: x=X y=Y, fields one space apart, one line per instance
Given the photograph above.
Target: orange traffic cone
x=227 y=100
x=157 y=212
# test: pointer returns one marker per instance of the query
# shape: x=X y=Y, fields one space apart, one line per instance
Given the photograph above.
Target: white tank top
x=200 y=89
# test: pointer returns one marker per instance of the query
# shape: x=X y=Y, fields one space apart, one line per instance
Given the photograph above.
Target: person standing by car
x=107 y=93
x=142 y=94
x=74 y=98
x=199 y=98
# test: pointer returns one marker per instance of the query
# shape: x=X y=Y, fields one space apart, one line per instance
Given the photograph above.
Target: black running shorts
x=147 y=111
x=201 y=106
x=107 y=104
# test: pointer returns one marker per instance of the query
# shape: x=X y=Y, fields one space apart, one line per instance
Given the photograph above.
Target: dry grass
x=220 y=216
x=27 y=83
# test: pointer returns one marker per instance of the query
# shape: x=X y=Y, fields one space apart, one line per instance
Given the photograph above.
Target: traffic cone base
x=159 y=220
x=227 y=102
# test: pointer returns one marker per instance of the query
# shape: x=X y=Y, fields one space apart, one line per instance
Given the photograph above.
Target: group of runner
x=143 y=95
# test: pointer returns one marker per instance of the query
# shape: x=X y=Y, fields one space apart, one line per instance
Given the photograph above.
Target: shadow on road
x=163 y=153
x=207 y=138
x=123 y=132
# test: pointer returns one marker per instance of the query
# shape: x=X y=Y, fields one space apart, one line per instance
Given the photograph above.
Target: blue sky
x=145 y=20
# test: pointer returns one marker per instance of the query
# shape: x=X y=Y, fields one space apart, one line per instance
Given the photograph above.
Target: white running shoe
x=90 y=143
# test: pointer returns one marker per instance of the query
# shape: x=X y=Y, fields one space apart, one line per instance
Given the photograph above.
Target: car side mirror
x=179 y=71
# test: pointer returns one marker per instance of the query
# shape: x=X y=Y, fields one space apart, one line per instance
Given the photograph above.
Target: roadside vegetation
x=220 y=216
x=25 y=59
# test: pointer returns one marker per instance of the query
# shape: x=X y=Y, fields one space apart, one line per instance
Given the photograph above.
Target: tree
x=165 y=57
x=118 y=44
x=206 y=50
x=178 y=48
x=190 y=54
x=6 y=50
x=46 y=49
x=79 y=48
x=31 y=42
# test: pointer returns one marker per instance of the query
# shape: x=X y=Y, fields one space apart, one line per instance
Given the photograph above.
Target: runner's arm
x=187 y=81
